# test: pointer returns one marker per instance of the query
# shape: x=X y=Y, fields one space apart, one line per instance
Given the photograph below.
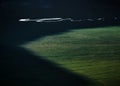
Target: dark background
x=59 y=8
x=15 y=32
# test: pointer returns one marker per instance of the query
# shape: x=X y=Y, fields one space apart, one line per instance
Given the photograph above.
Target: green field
x=93 y=52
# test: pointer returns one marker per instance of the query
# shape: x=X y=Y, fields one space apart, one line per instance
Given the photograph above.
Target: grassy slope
x=93 y=52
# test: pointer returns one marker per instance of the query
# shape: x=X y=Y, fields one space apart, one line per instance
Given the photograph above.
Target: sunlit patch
x=91 y=52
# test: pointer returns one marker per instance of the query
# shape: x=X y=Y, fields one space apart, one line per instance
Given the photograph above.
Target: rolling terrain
x=93 y=52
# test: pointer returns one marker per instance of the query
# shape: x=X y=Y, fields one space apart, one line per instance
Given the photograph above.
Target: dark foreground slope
x=20 y=68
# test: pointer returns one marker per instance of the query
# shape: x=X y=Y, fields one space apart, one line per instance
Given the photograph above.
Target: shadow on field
x=17 y=33
x=21 y=68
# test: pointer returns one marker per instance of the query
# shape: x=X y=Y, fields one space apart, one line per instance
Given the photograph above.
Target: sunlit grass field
x=93 y=52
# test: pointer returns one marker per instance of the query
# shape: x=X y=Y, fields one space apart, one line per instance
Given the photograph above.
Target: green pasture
x=93 y=52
